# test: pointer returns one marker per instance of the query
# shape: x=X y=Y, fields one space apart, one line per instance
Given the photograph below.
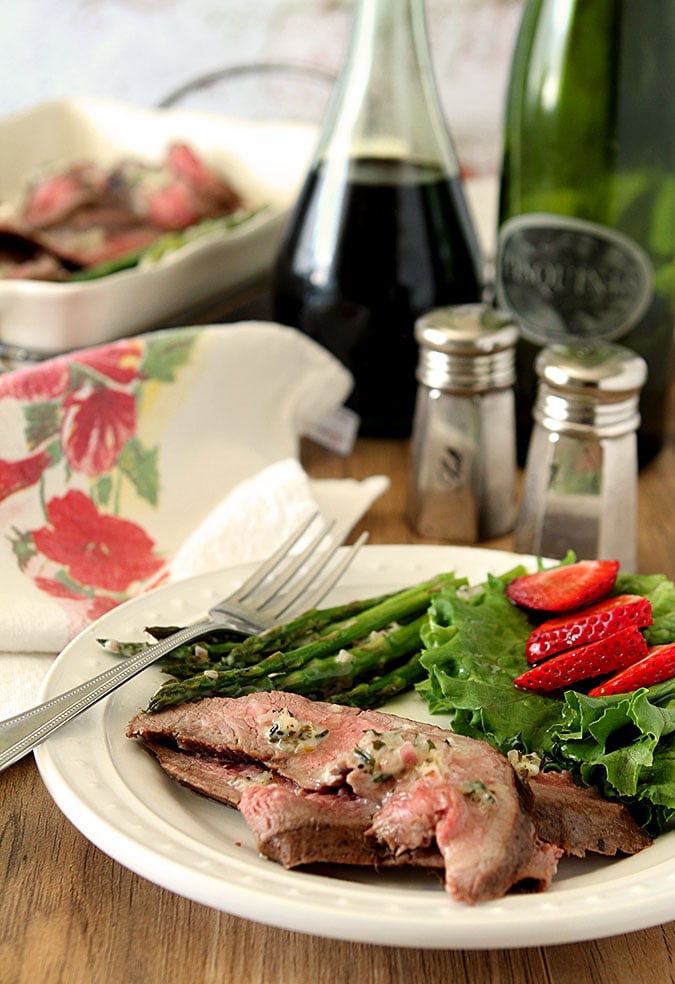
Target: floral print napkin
x=111 y=457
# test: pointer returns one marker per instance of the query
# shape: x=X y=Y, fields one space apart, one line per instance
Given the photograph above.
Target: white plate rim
x=198 y=849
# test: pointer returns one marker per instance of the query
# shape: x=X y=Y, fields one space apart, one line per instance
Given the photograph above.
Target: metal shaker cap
x=466 y=348
x=593 y=387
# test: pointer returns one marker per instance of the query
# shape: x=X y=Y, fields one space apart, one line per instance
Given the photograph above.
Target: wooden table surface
x=68 y=913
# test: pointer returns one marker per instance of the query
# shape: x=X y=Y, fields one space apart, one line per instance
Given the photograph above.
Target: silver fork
x=257 y=604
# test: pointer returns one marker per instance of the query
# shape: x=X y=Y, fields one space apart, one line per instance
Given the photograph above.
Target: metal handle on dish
x=300 y=69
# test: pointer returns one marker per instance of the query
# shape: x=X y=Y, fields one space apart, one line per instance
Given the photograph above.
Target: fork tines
x=263 y=589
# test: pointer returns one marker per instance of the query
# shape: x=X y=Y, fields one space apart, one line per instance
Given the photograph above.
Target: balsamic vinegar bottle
x=381 y=232
x=587 y=201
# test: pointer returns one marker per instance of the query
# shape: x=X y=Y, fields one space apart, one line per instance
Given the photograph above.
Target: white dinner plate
x=113 y=791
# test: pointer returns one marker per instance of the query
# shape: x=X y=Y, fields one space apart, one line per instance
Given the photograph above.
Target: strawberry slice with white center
x=658 y=665
x=564 y=588
x=614 y=652
x=588 y=625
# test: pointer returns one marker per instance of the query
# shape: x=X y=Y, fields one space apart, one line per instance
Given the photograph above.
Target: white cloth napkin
x=264 y=510
x=151 y=459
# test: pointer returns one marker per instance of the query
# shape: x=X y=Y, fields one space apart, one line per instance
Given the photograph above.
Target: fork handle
x=20 y=734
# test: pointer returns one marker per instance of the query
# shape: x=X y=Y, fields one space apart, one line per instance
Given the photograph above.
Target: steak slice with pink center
x=426 y=789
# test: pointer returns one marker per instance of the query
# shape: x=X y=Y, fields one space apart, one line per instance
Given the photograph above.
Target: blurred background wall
x=141 y=51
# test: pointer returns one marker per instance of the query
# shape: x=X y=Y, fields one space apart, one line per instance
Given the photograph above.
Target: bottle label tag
x=567 y=279
x=337 y=431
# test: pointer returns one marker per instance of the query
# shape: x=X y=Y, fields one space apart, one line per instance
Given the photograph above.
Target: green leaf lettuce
x=623 y=745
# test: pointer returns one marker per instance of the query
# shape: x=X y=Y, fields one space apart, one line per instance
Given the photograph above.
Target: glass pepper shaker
x=463 y=458
x=580 y=487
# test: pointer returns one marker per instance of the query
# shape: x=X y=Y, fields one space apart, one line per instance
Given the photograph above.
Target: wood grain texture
x=70 y=914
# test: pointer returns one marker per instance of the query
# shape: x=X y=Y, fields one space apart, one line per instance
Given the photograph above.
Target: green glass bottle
x=586 y=244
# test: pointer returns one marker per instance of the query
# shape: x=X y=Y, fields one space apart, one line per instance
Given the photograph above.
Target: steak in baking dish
x=319 y=782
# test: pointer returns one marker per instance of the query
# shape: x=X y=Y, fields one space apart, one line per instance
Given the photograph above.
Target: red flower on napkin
x=96 y=424
x=16 y=475
x=81 y=419
x=119 y=361
x=97 y=549
x=93 y=608
x=46 y=382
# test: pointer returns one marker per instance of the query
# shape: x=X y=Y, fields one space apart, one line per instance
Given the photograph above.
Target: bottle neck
x=385 y=102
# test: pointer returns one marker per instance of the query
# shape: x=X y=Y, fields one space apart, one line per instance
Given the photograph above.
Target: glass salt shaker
x=580 y=488
x=463 y=459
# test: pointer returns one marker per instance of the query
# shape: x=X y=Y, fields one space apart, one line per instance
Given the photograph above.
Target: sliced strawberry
x=658 y=665
x=588 y=625
x=595 y=659
x=565 y=588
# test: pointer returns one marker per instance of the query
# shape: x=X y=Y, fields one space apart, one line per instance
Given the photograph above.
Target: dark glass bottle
x=587 y=201
x=381 y=232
